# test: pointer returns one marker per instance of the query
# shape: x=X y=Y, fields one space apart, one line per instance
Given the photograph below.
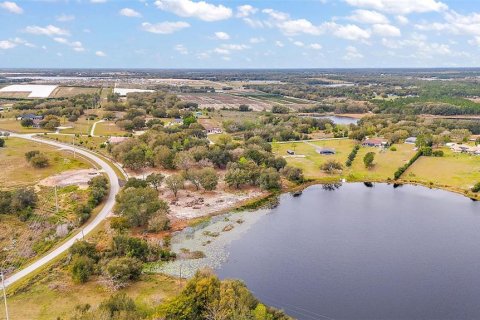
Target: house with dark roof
x=326 y=151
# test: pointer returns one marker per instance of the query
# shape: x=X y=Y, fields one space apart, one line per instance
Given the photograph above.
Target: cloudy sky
x=239 y=34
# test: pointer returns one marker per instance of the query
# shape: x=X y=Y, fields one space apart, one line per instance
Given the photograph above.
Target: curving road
x=107 y=208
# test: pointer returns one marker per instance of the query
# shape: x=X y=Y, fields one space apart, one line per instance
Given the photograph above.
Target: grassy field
x=66 y=92
x=385 y=164
x=92 y=143
x=12 y=124
x=55 y=295
x=312 y=161
x=108 y=128
x=457 y=170
x=81 y=126
x=16 y=171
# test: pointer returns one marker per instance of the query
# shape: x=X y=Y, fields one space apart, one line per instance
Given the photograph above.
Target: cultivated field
x=16 y=171
x=67 y=92
x=224 y=100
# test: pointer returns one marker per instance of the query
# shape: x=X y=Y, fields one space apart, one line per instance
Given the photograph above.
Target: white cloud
x=400 y=6
x=294 y=27
x=299 y=43
x=23 y=42
x=49 y=30
x=164 y=27
x=6 y=44
x=369 y=17
x=11 y=7
x=76 y=45
x=352 y=54
x=349 y=31
x=315 y=46
x=256 y=40
x=386 y=30
x=65 y=17
x=100 y=54
x=254 y=23
x=202 y=10
x=220 y=35
x=245 y=11
x=402 y=19
x=127 y=12
x=276 y=15
x=279 y=44
x=98 y=1
x=475 y=41
x=226 y=49
x=181 y=49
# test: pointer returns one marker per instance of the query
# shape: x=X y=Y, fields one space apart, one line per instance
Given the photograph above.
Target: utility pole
x=73 y=144
x=5 y=296
x=56 y=200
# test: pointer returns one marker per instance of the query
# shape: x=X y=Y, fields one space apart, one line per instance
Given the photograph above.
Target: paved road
x=107 y=208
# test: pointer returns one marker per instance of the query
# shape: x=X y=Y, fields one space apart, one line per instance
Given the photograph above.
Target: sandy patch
x=193 y=204
x=71 y=177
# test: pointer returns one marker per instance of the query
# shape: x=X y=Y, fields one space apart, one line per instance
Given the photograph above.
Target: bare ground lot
x=71 y=177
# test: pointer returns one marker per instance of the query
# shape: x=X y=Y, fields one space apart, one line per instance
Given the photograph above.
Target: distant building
x=326 y=151
x=411 y=140
x=210 y=126
x=374 y=143
x=30 y=116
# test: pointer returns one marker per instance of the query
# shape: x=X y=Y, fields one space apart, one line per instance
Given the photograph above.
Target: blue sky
x=239 y=34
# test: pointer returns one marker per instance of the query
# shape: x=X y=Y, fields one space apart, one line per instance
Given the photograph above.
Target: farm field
x=385 y=164
x=457 y=170
x=66 y=92
x=223 y=100
x=108 y=128
x=18 y=172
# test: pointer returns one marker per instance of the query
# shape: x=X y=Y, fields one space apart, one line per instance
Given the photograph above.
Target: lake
x=364 y=253
x=340 y=119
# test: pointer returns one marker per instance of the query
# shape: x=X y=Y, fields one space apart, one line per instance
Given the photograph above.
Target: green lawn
x=312 y=161
x=12 y=124
x=385 y=164
x=16 y=171
x=458 y=170
x=108 y=128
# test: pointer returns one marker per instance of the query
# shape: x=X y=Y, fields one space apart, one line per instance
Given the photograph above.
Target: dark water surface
x=365 y=253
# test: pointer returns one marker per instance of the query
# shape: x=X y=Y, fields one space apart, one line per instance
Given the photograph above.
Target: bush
x=82 y=268
x=269 y=179
x=352 y=155
x=120 y=271
x=208 y=179
x=158 y=223
x=39 y=161
x=2 y=143
x=293 y=174
x=331 y=166
x=368 y=159
x=26 y=123
x=404 y=168
x=392 y=148
x=130 y=247
x=30 y=154
x=476 y=187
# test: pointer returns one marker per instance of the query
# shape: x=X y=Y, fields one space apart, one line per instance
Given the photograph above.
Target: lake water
x=340 y=120
x=364 y=253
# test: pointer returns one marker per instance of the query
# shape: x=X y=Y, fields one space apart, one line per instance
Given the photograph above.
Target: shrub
x=293 y=174
x=476 y=187
x=269 y=179
x=392 y=148
x=368 y=159
x=2 y=143
x=120 y=271
x=30 y=154
x=39 y=161
x=82 y=268
x=331 y=166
